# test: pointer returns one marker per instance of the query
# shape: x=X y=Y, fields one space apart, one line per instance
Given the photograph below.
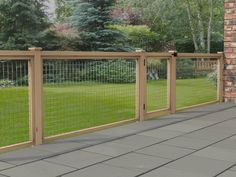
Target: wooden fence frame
x=35 y=57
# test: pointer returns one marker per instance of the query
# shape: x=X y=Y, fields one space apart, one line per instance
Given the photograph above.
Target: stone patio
x=200 y=142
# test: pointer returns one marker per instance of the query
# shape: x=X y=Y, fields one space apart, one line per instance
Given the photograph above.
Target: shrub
x=6 y=83
x=114 y=71
x=140 y=36
x=22 y=81
x=185 y=69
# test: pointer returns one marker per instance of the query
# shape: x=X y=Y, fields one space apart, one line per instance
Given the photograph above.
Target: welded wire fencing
x=196 y=81
x=50 y=95
x=156 y=84
x=14 y=102
x=80 y=94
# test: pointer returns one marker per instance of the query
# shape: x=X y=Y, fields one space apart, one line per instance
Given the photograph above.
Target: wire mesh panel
x=156 y=84
x=196 y=81
x=84 y=93
x=14 y=104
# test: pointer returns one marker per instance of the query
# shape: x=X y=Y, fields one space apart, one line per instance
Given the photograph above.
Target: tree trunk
x=210 y=27
x=201 y=27
x=192 y=26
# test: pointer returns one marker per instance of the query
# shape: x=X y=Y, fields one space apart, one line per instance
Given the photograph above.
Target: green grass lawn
x=72 y=107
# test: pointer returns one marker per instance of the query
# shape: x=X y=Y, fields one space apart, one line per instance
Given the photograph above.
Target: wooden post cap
x=173 y=52
x=35 y=49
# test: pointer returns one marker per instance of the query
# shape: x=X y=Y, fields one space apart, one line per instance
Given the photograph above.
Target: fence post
x=36 y=96
x=141 y=86
x=220 y=84
x=171 y=80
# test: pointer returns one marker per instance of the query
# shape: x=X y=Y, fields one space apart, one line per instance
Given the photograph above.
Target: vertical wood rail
x=141 y=86
x=220 y=84
x=31 y=98
x=171 y=82
x=36 y=96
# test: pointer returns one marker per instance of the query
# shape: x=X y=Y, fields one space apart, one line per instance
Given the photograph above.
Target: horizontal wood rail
x=36 y=57
x=93 y=55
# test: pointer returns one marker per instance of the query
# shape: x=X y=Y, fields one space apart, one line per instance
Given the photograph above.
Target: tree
x=63 y=10
x=201 y=31
x=92 y=19
x=23 y=23
x=140 y=36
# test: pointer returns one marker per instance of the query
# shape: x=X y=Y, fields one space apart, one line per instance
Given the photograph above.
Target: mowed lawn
x=69 y=107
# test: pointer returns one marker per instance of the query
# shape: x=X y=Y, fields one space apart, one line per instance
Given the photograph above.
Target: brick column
x=230 y=51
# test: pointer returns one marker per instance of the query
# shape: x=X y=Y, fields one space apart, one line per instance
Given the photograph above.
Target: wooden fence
x=35 y=58
x=205 y=65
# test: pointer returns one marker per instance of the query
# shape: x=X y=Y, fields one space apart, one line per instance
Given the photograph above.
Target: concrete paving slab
x=191 y=143
x=23 y=156
x=223 y=129
x=200 y=123
x=59 y=147
x=178 y=116
x=137 y=141
x=200 y=165
x=162 y=133
x=150 y=124
x=117 y=132
x=220 y=116
x=212 y=135
x=228 y=174
x=232 y=138
x=102 y=170
x=218 y=153
x=4 y=165
x=187 y=114
x=229 y=143
x=78 y=159
x=3 y=175
x=88 y=139
x=212 y=108
x=110 y=149
x=37 y=169
x=229 y=123
x=134 y=161
x=165 y=151
x=168 y=172
x=233 y=168
x=183 y=127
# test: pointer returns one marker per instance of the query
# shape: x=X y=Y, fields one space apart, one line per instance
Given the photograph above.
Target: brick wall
x=230 y=51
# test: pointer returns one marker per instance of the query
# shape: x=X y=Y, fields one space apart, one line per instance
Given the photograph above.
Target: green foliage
x=169 y=19
x=114 y=71
x=140 y=36
x=63 y=10
x=23 y=24
x=185 y=69
x=185 y=45
x=91 y=19
x=5 y=83
x=49 y=40
x=22 y=81
x=58 y=71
